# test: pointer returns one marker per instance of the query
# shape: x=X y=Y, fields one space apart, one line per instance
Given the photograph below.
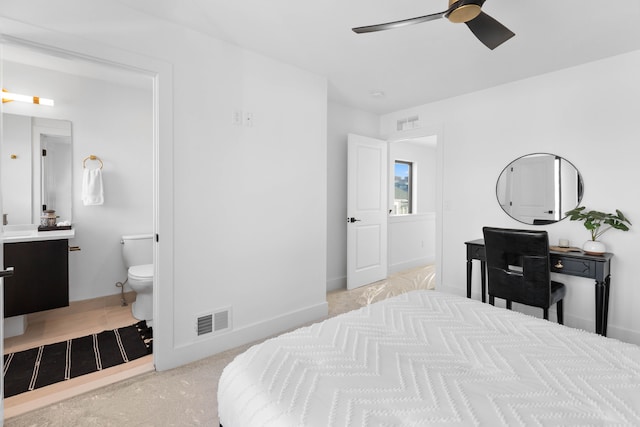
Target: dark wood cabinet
x=41 y=277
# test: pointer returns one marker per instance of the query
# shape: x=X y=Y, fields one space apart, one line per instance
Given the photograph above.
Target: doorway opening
x=383 y=239
x=111 y=110
x=412 y=201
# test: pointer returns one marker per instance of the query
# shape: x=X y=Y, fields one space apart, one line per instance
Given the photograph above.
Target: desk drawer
x=572 y=266
x=476 y=252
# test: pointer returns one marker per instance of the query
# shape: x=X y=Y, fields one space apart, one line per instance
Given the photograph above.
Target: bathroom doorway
x=111 y=110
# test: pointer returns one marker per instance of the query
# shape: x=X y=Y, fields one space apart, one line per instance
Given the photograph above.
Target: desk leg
x=602 y=306
x=483 y=280
x=605 y=308
x=469 y=269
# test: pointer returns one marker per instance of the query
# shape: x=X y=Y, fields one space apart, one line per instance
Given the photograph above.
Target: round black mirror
x=539 y=188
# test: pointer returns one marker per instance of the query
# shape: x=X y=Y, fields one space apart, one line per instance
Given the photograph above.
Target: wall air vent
x=205 y=324
x=220 y=321
x=407 y=123
x=213 y=322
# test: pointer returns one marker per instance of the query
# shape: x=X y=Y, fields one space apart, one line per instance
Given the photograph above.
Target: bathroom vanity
x=36 y=177
x=41 y=271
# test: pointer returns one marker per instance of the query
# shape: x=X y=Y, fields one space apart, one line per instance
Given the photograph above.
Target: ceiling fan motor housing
x=464 y=10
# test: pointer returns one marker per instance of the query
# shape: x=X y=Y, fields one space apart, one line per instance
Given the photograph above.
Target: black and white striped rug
x=48 y=364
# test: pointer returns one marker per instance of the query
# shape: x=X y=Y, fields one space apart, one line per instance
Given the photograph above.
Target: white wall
x=412 y=241
x=114 y=122
x=587 y=114
x=250 y=203
x=341 y=121
x=243 y=219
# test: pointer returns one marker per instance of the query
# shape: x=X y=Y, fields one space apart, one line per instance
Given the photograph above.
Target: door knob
x=352 y=219
x=6 y=273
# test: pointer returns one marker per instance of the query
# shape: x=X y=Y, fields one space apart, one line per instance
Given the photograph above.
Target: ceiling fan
x=486 y=29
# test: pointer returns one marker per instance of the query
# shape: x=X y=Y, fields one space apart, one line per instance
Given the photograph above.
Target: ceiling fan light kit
x=489 y=31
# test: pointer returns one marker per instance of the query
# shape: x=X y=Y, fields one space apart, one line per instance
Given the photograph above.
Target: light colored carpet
x=186 y=396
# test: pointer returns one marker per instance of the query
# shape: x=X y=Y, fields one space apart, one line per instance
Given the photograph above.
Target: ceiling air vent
x=213 y=322
x=407 y=123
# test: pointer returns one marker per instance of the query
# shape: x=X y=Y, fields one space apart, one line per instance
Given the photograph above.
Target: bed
x=430 y=358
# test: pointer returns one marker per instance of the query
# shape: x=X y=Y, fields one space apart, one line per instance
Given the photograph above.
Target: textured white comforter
x=428 y=358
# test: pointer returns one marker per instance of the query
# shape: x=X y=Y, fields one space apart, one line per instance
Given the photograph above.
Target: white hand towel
x=92 y=193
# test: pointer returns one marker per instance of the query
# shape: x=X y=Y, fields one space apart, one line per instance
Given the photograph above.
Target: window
x=403 y=188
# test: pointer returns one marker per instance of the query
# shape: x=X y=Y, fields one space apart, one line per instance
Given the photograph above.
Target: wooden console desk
x=571 y=263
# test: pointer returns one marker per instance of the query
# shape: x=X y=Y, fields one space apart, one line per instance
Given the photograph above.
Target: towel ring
x=91 y=157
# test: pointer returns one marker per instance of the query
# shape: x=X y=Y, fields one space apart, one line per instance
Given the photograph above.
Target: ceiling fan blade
x=489 y=31
x=398 y=24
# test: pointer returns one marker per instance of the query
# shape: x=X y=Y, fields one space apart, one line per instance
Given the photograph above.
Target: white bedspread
x=428 y=358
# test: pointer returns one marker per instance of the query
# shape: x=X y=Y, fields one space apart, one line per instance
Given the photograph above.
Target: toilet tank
x=137 y=249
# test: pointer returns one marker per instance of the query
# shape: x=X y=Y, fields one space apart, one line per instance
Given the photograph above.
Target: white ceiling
x=416 y=64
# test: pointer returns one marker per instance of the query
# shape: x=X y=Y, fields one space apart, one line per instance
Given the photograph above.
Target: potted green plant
x=598 y=223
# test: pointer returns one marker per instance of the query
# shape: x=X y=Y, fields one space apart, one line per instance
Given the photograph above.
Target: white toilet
x=137 y=251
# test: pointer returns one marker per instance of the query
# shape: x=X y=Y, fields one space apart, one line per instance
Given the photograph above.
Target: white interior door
x=534 y=189
x=366 y=211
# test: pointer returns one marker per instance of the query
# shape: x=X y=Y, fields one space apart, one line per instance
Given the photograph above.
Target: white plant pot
x=594 y=247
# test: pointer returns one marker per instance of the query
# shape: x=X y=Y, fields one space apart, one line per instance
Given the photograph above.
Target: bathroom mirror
x=539 y=188
x=36 y=168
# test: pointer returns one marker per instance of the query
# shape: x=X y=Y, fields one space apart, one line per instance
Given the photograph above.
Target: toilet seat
x=141 y=272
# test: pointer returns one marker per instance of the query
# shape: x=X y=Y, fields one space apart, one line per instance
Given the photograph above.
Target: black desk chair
x=518 y=269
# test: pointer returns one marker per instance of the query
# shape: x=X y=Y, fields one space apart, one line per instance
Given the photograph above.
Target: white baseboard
x=337 y=283
x=414 y=263
x=191 y=352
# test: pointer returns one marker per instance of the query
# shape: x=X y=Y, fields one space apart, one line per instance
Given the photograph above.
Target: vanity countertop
x=37 y=236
